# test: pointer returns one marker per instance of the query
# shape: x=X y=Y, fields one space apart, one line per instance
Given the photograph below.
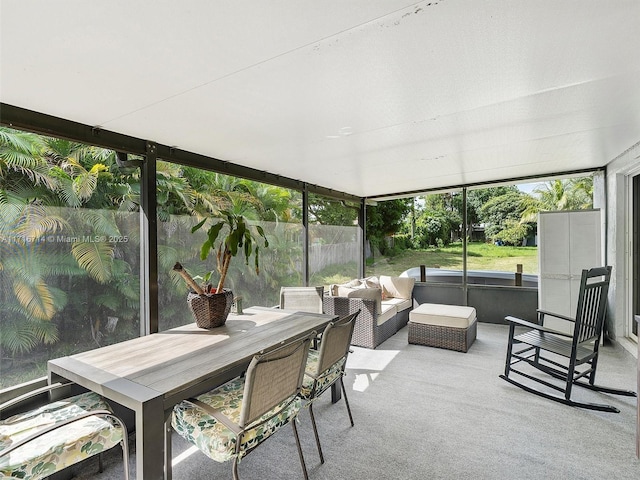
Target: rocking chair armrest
x=534 y=326
x=556 y=315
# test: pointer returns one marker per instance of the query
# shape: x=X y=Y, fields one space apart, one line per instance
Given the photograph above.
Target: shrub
x=513 y=233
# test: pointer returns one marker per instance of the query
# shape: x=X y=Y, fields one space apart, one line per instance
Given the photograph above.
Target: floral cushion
x=324 y=380
x=59 y=448
x=215 y=439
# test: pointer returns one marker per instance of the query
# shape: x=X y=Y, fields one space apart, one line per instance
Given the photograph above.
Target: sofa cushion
x=397 y=287
x=370 y=282
x=388 y=311
x=399 y=303
x=361 y=292
x=334 y=287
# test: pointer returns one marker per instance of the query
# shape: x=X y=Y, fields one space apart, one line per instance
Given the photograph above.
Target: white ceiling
x=364 y=97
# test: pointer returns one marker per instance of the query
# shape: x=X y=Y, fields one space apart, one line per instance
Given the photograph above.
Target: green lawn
x=480 y=256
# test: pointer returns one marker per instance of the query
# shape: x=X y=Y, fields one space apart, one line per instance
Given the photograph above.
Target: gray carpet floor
x=428 y=413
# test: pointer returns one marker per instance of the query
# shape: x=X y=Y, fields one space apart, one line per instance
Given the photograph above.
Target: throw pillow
x=397 y=287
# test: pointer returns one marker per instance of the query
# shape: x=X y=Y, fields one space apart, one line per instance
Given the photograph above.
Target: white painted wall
x=618 y=173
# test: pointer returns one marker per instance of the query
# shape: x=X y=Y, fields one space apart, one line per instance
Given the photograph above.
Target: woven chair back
x=592 y=303
x=302 y=299
x=335 y=341
x=272 y=378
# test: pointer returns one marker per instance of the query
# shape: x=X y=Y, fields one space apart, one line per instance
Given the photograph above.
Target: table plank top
x=174 y=361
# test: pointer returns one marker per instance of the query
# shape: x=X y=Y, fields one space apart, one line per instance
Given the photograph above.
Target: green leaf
x=205 y=249
x=233 y=242
x=263 y=235
x=213 y=233
x=198 y=226
x=247 y=249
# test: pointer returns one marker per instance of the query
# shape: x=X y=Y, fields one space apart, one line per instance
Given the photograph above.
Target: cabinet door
x=554 y=289
x=584 y=234
x=569 y=242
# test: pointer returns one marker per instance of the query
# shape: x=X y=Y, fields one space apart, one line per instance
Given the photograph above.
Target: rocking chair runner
x=559 y=354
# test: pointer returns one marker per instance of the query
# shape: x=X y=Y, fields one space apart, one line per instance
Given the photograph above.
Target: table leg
x=168 y=457
x=150 y=441
x=336 y=393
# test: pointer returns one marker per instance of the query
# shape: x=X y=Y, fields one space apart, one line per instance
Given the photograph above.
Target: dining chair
x=326 y=365
x=302 y=299
x=229 y=422
x=40 y=441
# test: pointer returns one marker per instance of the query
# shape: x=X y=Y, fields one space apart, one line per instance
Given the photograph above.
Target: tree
x=385 y=219
x=568 y=194
x=501 y=213
x=434 y=227
x=327 y=211
x=477 y=198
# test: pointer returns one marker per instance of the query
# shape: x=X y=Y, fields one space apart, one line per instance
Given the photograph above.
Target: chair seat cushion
x=324 y=381
x=59 y=448
x=214 y=438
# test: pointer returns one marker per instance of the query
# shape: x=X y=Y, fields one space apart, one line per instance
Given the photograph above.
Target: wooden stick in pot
x=187 y=278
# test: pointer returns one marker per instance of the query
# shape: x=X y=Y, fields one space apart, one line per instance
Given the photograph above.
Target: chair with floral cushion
x=232 y=420
x=36 y=443
x=326 y=366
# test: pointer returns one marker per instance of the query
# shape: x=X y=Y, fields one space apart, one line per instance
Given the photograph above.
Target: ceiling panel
x=369 y=98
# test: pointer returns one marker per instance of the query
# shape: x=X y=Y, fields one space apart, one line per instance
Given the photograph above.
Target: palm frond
x=167 y=257
x=101 y=222
x=24 y=266
x=85 y=184
x=10 y=209
x=37 y=220
x=68 y=193
x=96 y=258
x=108 y=300
x=36 y=298
x=18 y=337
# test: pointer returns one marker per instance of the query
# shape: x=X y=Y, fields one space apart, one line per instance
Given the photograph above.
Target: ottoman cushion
x=444 y=315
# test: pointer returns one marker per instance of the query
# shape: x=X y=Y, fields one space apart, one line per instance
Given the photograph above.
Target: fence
x=322 y=256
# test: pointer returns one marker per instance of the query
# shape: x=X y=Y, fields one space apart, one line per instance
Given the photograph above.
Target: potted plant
x=228 y=236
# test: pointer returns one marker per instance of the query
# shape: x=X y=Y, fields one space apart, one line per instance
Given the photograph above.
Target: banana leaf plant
x=239 y=236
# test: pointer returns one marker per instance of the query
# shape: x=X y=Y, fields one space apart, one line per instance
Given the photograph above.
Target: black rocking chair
x=572 y=358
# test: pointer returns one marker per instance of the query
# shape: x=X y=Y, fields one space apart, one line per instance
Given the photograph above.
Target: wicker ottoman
x=445 y=326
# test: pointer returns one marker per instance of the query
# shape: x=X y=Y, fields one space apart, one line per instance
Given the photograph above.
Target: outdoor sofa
x=384 y=303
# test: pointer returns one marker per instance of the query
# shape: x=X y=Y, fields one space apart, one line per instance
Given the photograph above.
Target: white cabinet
x=569 y=241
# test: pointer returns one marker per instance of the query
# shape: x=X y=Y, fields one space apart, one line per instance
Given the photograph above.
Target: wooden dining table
x=151 y=374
